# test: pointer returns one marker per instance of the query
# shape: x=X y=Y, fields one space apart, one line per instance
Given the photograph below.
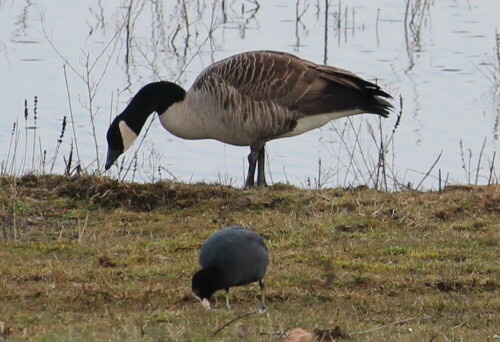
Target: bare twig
x=389 y=324
x=81 y=231
x=12 y=139
x=479 y=161
x=430 y=170
x=14 y=209
x=492 y=167
x=222 y=327
x=68 y=93
x=186 y=19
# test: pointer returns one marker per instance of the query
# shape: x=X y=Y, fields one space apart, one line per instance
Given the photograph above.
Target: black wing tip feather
x=379 y=105
x=368 y=96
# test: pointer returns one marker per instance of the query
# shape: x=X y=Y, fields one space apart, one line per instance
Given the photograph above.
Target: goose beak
x=111 y=158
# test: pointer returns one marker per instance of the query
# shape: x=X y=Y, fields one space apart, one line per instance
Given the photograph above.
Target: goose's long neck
x=154 y=97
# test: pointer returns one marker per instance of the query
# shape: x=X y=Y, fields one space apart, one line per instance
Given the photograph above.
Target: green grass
x=88 y=258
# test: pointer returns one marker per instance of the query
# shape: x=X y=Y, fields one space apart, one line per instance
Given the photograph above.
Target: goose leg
x=252 y=163
x=261 y=170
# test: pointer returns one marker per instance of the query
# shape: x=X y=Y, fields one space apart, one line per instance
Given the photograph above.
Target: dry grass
x=88 y=258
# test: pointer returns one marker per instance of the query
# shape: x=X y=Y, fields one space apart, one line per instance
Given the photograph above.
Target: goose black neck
x=153 y=97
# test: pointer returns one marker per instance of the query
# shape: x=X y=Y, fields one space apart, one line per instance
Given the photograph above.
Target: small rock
x=298 y=335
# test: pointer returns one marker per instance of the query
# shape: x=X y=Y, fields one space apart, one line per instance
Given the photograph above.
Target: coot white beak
x=204 y=302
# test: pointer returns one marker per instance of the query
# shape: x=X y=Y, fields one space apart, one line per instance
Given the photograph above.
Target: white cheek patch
x=128 y=135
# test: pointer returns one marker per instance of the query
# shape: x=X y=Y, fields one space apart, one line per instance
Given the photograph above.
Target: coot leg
x=226 y=294
x=262 y=286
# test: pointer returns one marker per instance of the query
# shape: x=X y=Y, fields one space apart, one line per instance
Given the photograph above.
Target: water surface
x=84 y=59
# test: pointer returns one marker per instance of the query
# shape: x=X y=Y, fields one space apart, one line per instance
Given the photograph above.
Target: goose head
x=125 y=128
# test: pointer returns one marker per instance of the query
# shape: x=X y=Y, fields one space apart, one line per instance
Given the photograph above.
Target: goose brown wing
x=340 y=90
x=296 y=84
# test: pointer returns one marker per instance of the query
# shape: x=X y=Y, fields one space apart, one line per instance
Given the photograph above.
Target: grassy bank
x=89 y=258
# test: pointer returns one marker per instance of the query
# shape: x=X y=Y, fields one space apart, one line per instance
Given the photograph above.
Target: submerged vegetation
x=90 y=258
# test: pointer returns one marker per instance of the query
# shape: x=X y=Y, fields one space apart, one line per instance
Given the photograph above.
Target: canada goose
x=247 y=100
x=234 y=256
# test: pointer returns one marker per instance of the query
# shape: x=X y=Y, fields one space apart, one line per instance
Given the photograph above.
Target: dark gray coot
x=234 y=256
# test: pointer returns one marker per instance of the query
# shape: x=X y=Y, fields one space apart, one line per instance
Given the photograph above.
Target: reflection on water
x=85 y=59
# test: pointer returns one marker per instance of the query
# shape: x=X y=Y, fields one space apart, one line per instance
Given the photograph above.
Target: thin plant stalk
x=68 y=94
x=492 y=167
x=479 y=161
x=26 y=114
x=430 y=170
x=35 y=113
x=58 y=145
x=12 y=139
